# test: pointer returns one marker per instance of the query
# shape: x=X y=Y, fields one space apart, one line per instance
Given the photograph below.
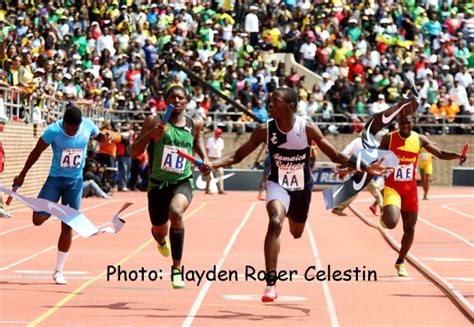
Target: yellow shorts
x=407 y=202
x=426 y=169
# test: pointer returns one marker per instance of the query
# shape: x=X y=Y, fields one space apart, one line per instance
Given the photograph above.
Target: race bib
x=291 y=180
x=171 y=161
x=71 y=158
x=424 y=156
x=404 y=173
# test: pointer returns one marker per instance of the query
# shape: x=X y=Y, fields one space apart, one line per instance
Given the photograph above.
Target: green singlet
x=167 y=167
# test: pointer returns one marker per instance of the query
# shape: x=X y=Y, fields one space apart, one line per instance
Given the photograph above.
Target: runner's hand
x=18 y=181
x=158 y=131
x=206 y=168
x=376 y=169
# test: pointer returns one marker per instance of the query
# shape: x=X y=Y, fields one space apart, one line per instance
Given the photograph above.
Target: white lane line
x=449 y=259
x=462 y=279
x=459 y=237
x=54 y=218
x=34 y=277
x=202 y=293
x=49 y=271
x=434 y=197
x=55 y=246
x=447 y=207
x=324 y=284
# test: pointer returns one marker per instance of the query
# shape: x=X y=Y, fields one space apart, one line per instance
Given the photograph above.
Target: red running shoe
x=375 y=210
x=270 y=294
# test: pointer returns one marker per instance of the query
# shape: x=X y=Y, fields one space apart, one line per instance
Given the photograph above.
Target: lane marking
x=324 y=284
x=458 y=299
x=257 y=298
x=49 y=272
x=445 y=206
x=55 y=246
x=459 y=237
x=85 y=285
x=48 y=277
x=202 y=293
x=437 y=197
x=54 y=218
x=449 y=259
x=462 y=279
x=394 y=279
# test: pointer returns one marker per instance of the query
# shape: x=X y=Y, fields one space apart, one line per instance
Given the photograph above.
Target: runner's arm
x=198 y=142
x=150 y=128
x=432 y=148
x=259 y=135
x=385 y=143
x=34 y=155
x=315 y=134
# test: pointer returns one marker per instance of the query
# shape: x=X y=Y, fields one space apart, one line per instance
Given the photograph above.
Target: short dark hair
x=72 y=115
x=176 y=88
x=289 y=95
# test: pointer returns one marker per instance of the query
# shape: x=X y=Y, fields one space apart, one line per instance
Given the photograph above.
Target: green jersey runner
x=167 y=167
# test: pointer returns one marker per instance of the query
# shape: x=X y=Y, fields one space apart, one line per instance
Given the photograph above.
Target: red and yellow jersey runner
x=400 y=187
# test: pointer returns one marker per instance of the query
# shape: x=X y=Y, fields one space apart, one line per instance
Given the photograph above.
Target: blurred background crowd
x=110 y=55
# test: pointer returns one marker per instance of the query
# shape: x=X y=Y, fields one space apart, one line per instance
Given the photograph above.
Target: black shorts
x=159 y=200
x=296 y=203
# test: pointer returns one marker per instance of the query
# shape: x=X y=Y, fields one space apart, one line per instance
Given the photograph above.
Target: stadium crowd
x=112 y=55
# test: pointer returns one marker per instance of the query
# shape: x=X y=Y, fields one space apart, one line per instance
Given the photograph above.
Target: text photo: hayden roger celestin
x=246 y=273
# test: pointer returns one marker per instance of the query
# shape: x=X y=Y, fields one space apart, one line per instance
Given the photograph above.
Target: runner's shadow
x=112 y=306
x=227 y=314
x=18 y=283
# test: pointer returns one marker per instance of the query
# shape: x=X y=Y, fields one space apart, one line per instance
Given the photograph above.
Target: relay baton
x=194 y=160
x=169 y=110
x=464 y=154
x=9 y=199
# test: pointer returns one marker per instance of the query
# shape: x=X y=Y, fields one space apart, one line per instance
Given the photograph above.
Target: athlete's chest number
x=404 y=173
x=291 y=180
x=171 y=161
x=71 y=158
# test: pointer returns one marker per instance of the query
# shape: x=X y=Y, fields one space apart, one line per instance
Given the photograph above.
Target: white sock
x=61 y=260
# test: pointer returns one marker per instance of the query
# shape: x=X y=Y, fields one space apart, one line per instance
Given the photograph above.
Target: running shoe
x=164 y=249
x=375 y=210
x=177 y=280
x=5 y=214
x=59 y=278
x=270 y=294
x=401 y=270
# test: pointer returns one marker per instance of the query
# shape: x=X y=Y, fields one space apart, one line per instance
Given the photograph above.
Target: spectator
x=308 y=53
x=252 y=25
x=123 y=157
x=214 y=148
x=92 y=181
x=378 y=106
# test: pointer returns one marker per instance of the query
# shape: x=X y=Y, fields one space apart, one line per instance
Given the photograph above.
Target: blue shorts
x=68 y=189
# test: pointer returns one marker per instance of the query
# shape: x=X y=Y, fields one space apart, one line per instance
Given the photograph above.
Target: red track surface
x=228 y=231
